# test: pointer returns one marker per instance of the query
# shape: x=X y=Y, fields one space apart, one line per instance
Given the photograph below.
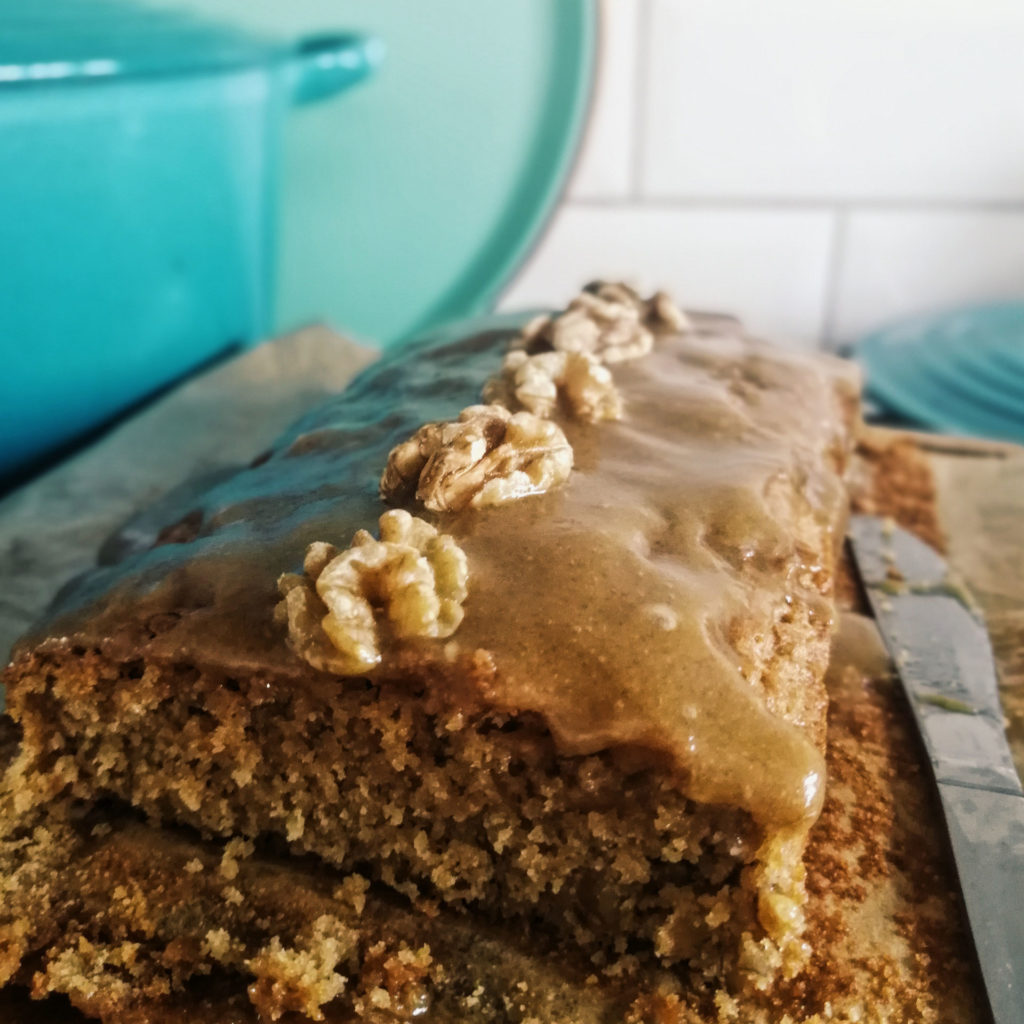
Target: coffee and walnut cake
x=518 y=645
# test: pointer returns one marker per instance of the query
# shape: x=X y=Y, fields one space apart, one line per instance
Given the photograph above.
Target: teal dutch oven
x=138 y=185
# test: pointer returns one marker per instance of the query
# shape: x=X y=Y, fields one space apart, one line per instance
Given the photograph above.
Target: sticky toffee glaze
x=610 y=606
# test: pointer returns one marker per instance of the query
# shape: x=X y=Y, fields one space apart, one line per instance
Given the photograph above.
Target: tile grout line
x=833 y=279
x=827 y=203
x=641 y=86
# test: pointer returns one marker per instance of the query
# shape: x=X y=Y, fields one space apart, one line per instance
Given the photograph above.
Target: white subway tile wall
x=830 y=99
x=897 y=261
x=768 y=264
x=606 y=160
x=819 y=167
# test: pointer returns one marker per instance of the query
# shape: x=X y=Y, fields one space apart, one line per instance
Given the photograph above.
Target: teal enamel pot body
x=138 y=190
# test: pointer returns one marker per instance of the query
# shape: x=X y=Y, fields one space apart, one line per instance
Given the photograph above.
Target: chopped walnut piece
x=538 y=381
x=302 y=611
x=659 y=313
x=488 y=456
x=414 y=578
x=664 y=314
x=609 y=321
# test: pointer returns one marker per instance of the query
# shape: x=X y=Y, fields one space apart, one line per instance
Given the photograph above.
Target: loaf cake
x=576 y=686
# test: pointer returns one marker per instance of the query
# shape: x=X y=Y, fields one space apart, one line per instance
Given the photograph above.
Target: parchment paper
x=51 y=529
x=981 y=508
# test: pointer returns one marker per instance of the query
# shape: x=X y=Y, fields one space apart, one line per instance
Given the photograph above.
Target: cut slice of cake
x=576 y=683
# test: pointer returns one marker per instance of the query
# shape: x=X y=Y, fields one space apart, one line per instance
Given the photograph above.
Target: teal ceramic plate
x=413 y=200
x=960 y=372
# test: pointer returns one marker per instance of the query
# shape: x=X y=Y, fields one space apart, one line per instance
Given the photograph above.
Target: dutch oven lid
x=414 y=202
x=58 y=40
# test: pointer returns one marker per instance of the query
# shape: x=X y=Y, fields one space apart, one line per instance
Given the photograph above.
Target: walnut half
x=541 y=382
x=413 y=578
x=608 y=321
x=488 y=456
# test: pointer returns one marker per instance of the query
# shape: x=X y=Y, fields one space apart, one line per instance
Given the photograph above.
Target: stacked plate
x=960 y=373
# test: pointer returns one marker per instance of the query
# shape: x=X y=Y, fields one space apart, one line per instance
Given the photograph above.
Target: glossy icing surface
x=607 y=606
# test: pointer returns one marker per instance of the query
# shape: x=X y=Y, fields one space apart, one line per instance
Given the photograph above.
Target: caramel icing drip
x=610 y=606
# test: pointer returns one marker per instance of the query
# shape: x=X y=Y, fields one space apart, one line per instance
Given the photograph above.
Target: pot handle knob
x=324 y=64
